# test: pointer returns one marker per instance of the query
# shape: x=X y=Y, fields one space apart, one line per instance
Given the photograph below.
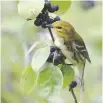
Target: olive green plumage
x=73 y=48
x=72 y=39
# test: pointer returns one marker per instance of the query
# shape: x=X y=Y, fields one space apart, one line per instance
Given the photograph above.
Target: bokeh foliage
x=18 y=35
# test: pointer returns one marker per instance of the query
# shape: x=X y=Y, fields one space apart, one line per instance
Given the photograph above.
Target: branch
x=46 y=0
x=51 y=34
x=71 y=86
x=74 y=97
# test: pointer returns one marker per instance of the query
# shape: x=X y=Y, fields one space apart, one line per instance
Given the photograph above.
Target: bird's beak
x=49 y=26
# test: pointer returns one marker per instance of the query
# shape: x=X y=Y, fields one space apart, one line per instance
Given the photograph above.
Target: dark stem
x=74 y=97
x=46 y=0
x=51 y=34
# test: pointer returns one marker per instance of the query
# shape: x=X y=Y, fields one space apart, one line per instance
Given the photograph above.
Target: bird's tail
x=79 y=74
x=81 y=71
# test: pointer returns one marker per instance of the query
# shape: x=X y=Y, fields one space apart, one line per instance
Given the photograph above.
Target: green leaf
x=62 y=8
x=28 y=80
x=50 y=82
x=12 y=23
x=68 y=73
x=39 y=58
x=38 y=43
x=30 y=9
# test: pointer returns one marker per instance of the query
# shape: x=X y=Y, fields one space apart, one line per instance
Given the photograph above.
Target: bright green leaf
x=30 y=8
x=35 y=45
x=39 y=58
x=12 y=23
x=68 y=73
x=62 y=8
x=50 y=82
x=28 y=80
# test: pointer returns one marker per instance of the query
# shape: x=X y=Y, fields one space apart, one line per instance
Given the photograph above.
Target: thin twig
x=46 y=0
x=74 y=97
x=51 y=34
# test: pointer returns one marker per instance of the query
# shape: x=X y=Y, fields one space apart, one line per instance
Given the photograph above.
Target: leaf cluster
x=42 y=78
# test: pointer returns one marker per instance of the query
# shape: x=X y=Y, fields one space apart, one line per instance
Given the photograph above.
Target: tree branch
x=51 y=34
x=73 y=94
x=46 y=0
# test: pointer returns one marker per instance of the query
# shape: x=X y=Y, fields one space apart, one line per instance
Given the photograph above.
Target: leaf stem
x=74 y=96
x=46 y=0
x=51 y=34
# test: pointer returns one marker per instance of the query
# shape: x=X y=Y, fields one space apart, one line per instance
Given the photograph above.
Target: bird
x=72 y=47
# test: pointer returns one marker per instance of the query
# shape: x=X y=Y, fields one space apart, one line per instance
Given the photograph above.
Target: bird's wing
x=79 y=46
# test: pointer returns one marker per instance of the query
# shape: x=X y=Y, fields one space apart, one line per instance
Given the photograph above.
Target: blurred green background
x=17 y=35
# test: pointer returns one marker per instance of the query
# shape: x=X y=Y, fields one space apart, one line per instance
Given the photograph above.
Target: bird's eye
x=59 y=27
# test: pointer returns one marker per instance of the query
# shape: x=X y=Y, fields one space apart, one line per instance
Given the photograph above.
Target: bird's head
x=62 y=28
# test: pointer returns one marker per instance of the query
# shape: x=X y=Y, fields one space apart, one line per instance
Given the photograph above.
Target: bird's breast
x=59 y=42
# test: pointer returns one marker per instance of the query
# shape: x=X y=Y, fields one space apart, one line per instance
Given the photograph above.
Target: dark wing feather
x=81 y=48
x=76 y=42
